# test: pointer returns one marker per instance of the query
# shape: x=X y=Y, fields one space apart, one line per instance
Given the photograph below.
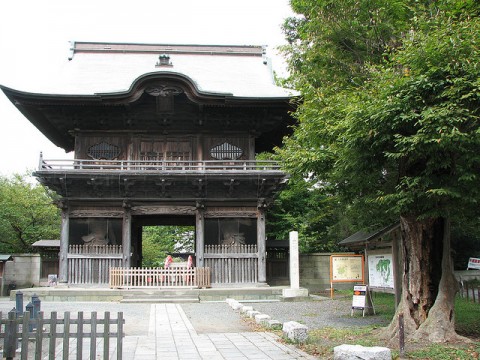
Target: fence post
x=36 y=305
x=19 y=303
x=29 y=309
x=10 y=342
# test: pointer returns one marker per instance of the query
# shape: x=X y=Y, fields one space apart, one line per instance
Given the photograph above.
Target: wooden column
x=63 y=261
x=199 y=237
x=127 y=236
x=261 y=246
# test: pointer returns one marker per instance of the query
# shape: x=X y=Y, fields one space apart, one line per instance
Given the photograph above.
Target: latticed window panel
x=103 y=151
x=226 y=151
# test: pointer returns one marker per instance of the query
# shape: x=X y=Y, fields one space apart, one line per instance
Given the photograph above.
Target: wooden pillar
x=261 y=246
x=127 y=236
x=199 y=236
x=63 y=256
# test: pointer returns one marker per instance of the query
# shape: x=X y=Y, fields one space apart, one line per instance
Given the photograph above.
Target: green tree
x=160 y=241
x=390 y=119
x=27 y=214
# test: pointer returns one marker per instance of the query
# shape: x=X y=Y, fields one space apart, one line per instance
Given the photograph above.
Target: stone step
x=162 y=300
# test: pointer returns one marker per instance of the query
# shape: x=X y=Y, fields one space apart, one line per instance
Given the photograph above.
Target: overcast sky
x=35 y=35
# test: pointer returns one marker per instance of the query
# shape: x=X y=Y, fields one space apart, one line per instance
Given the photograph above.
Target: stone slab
x=295 y=331
x=358 y=352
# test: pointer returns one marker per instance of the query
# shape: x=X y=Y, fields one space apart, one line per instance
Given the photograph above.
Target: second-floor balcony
x=169 y=179
x=170 y=166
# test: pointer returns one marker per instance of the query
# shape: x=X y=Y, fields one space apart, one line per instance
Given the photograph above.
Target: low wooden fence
x=90 y=264
x=175 y=277
x=55 y=338
x=232 y=264
x=470 y=291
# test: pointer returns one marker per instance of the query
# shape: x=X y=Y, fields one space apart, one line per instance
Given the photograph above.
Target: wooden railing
x=175 y=277
x=63 y=338
x=155 y=166
x=90 y=264
x=232 y=264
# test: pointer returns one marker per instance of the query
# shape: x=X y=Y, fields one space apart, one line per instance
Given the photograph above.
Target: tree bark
x=428 y=283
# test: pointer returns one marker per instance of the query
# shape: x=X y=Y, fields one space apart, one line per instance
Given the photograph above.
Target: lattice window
x=226 y=151
x=103 y=151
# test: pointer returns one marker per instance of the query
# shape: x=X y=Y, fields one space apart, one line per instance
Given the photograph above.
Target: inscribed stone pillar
x=199 y=237
x=262 y=263
x=64 y=234
x=127 y=237
x=294 y=261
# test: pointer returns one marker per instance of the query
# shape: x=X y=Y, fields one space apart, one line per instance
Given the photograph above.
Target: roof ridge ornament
x=163 y=90
x=164 y=61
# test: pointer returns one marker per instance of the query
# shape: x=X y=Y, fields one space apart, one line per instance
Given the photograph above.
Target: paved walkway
x=171 y=336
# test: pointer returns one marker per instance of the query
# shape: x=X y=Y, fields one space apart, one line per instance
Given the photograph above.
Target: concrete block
x=261 y=319
x=274 y=324
x=251 y=313
x=236 y=305
x=295 y=331
x=301 y=292
x=245 y=309
x=358 y=352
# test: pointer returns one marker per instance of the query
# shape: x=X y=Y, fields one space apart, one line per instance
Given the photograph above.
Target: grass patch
x=321 y=342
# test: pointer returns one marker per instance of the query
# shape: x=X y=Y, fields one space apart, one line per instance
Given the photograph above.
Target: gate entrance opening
x=155 y=237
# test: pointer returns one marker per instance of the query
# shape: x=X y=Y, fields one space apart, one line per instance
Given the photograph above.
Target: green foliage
x=160 y=241
x=301 y=207
x=390 y=113
x=27 y=214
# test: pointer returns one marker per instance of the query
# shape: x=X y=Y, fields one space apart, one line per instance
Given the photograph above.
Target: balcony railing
x=156 y=166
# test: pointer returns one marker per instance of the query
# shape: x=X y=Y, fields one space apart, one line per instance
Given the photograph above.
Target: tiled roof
x=46 y=243
x=102 y=68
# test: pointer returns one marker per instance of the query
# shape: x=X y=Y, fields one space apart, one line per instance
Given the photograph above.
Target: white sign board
x=380 y=271
x=473 y=263
x=359 y=296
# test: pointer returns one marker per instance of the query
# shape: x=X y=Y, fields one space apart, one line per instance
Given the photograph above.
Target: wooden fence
x=470 y=291
x=175 y=277
x=232 y=264
x=90 y=264
x=55 y=338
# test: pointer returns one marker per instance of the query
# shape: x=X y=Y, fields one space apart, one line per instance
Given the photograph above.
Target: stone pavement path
x=172 y=336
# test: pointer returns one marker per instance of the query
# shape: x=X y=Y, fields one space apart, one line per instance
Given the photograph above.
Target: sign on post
x=346 y=268
x=361 y=300
x=473 y=263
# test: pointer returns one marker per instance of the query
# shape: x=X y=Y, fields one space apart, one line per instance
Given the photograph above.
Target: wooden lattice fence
x=90 y=264
x=61 y=338
x=232 y=264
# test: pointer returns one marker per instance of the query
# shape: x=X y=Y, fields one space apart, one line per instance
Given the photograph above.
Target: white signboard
x=473 y=263
x=380 y=271
x=359 y=296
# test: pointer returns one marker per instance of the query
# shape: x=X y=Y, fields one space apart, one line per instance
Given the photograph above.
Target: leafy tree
x=27 y=214
x=160 y=241
x=390 y=119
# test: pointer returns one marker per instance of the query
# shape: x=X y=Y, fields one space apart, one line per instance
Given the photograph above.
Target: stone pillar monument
x=294 y=290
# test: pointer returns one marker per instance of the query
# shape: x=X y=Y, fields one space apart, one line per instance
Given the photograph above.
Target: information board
x=380 y=271
x=346 y=268
x=359 y=297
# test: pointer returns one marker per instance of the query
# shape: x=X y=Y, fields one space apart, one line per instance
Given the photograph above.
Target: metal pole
x=401 y=334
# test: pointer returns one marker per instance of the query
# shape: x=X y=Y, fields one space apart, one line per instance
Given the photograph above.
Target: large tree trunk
x=428 y=283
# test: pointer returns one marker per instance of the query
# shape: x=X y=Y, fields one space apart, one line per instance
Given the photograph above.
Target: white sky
x=35 y=35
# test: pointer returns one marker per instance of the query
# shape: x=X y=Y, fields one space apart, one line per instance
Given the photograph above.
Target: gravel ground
x=317 y=314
